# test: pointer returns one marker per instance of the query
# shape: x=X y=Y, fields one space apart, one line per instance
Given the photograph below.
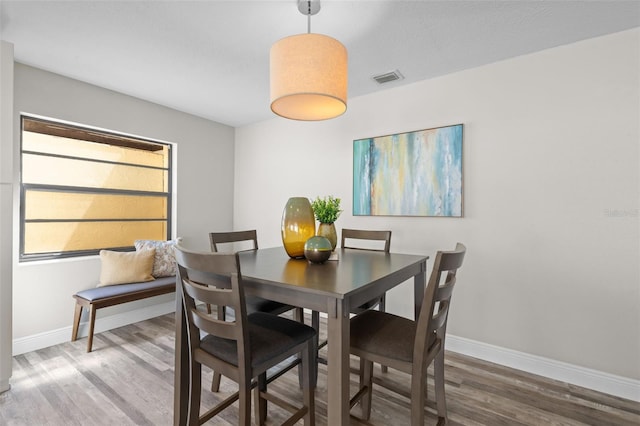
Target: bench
x=93 y=299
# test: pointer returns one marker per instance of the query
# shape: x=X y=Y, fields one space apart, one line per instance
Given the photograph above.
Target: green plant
x=326 y=209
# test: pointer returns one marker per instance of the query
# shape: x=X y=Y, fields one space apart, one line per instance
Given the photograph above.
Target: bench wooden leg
x=76 y=322
x=92 y=322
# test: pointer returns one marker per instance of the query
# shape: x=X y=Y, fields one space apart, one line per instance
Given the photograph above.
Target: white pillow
x=164 y=264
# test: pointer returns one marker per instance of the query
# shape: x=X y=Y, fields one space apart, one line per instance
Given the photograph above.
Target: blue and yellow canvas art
x=409 y=174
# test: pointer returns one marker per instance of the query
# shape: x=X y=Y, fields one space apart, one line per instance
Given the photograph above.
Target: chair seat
x=384 y=334
x=269 y=336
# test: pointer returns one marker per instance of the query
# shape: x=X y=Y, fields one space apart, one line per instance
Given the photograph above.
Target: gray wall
x=42 y=302
x=551 y=190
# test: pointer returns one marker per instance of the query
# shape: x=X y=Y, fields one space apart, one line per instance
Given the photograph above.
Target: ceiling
x=211 y=58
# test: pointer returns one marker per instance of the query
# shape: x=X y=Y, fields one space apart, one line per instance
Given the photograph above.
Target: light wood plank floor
x=128 y=380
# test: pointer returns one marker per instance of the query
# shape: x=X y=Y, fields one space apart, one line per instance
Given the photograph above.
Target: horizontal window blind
x=83 y=190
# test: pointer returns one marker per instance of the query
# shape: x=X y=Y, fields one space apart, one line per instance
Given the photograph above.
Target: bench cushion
x=98 y=293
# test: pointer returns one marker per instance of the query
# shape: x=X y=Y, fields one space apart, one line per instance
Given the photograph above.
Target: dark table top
x=354 y=270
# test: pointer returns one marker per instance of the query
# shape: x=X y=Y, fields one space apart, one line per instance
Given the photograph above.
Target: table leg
x=338 y=363
x=181 y=367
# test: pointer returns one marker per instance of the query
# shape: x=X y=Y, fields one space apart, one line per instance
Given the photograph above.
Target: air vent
x=388 y=77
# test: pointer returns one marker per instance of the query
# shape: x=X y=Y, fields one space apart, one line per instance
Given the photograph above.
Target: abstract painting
x=409 y=174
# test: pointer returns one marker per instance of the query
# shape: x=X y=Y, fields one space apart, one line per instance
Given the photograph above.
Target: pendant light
x=308 y=73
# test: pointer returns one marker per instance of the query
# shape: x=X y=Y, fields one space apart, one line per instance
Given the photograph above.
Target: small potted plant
x=326 y=211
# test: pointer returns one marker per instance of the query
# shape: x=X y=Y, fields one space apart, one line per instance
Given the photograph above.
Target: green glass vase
x=298 y=225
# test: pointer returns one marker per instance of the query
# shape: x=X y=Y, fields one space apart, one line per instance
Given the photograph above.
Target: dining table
x=334 y=287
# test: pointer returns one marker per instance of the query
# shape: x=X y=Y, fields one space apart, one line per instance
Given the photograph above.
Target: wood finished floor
x=128 y=380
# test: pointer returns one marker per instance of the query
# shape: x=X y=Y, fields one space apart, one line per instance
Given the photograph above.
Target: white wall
x=42 y=302
x=551 y=191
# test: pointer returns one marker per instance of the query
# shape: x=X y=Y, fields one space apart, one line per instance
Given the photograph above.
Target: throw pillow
x=125 y=267
x=164 y=264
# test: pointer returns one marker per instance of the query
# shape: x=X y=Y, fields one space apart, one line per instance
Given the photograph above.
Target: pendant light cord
x=308 y=17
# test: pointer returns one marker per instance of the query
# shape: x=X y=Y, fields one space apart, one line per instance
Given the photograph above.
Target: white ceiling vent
x=388 y=77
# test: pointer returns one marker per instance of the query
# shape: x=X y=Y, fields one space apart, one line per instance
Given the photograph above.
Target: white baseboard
x=62 y=335
x=592 y=379
x=580 y=376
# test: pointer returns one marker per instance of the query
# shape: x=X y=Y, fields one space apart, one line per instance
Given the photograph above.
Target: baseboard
x=62 y=335
x=592 y=379
x=611 y=384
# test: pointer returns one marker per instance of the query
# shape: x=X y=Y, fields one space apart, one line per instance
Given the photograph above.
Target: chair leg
x=259 y=401
x=315 y=324
x=217 y=377
x=438 y=373
x=215 y=382
x=76 y=322
x=244 y=402
x=194 y=394
x=361 y=375
x=382 y=306
x=298 y=316
x=314 y=364
x=92 y=323
x=313 y=368
x=309 y=382
x=366 y=379
x=418 y=398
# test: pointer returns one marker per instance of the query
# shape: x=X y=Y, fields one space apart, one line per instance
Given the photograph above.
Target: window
x=83 y=190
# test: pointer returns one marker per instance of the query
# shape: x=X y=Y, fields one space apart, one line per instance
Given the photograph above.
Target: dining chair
x=231 y=241
x=407 y=345
x=350 y=238
x=249 y=237
x=360 y=239
x=243 y=349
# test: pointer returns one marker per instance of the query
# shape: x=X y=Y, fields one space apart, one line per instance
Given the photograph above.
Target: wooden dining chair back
x=361 y=239
x=406 y=345
x=242 y=349
x=227 y=240
x=353 y=238
x=223 y=241
x=253 y=303
x=234 y=239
